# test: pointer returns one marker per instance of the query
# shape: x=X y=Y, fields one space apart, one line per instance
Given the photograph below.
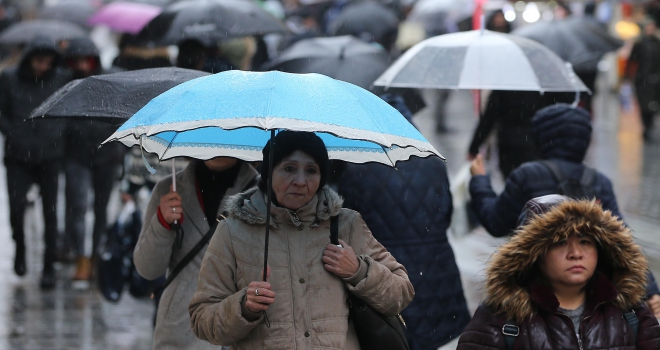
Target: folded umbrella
x=242 y=102
x=209 y=21
x=112 y=98
x=481 y=59
x=344 y=58
x=125 y=17
x=580 y=41
x=24 y=32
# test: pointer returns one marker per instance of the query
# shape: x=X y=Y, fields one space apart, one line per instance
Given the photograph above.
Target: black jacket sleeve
x=499 y=215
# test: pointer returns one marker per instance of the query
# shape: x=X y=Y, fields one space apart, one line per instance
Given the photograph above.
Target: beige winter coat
x=310 y=310
x=155 y=254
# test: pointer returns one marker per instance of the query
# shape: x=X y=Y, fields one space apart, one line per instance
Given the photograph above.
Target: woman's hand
x=259 y=296
x=170 y=207
x=341 y=261
x=478 y=167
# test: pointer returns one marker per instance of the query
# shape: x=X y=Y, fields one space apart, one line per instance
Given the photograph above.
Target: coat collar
x=187 y=188
x=599 y=290
x=250 y=207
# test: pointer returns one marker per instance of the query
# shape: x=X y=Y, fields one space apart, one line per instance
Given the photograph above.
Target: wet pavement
x=71 y=318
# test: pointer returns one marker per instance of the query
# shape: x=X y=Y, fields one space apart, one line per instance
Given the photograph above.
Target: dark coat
x=512 y=111
x=516 y=292
x=83 y=137
x=560 y=136
x=32 y=141
x=409 y=209
x=646 y=54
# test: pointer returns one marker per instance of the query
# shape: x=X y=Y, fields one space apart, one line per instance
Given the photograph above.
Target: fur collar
x=250 y=206
x=510 y=270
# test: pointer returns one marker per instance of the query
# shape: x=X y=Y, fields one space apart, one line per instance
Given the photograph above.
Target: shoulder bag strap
x=189 y=257
x=633 y=321
x=554 y=169
x=510 y=330
x=334 y=230
x=588 y=177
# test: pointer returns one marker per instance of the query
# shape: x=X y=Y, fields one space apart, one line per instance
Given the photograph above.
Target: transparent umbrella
x=481 y=59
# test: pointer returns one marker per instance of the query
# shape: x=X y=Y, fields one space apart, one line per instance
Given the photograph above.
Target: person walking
x=308 y=279
x=201 y=186
x=34 y=148
x=409 y=210
x=87 y=167
x=571 y=278
x=511 y=112
x=644 y=68
x=562 y=134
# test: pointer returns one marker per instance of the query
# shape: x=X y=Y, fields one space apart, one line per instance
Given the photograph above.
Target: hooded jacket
x=515 y=292
x=310 y=310
x=31 y=141
x=83 y=137
x=562 y=134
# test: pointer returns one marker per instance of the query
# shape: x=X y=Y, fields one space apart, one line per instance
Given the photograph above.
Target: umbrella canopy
x=580 y=41
x=209 y=21
x=112 y=98
x=276 y=100
x=24 y=32
x=367 y=20
x=481 y=59
x=125 y=17
x=74 y=11
x=247 y=144
x=344 y=58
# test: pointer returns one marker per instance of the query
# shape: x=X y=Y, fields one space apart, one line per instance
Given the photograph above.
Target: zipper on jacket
x=580 y=343
x=579 y=338
x=295 y=216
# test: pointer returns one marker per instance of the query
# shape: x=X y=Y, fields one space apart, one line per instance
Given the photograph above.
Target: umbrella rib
x=169 y=146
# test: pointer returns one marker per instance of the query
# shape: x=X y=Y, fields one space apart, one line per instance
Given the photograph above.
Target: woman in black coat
x=512 y=111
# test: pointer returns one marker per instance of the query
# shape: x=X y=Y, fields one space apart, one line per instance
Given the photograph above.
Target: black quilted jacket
x=408 y=209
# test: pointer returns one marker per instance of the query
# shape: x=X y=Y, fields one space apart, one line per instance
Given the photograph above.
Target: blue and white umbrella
x=230 y=114
x=194 y=119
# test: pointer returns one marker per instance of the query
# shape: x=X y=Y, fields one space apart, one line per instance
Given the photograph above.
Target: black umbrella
x=580 y=41
x=344 y=58
x=209 y=21
x=74 y=11
x=24 y=32
x=112 y=98
x=367 y=20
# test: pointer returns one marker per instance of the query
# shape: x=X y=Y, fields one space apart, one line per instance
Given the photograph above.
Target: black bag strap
x=334 y=230
x=510 y=330
x=189 y=257
x=555 y=170
x=588 y=177
x=633 y=321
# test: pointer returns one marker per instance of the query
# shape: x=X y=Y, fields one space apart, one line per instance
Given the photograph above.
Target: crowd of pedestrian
x=571 y=276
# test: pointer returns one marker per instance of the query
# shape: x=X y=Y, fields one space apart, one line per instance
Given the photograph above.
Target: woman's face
x=295 y=180
x=571 y=263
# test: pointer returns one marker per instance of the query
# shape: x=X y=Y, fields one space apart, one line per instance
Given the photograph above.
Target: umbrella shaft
x=269 y=192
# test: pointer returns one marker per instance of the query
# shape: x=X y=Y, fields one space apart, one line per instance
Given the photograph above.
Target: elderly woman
x=570 y=279
x=309 y=279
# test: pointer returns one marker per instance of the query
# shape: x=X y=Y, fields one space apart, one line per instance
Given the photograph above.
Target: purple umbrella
x=125 y=17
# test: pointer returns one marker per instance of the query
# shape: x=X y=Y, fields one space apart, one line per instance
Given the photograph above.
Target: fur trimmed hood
x=509 y=272
x=250 y=207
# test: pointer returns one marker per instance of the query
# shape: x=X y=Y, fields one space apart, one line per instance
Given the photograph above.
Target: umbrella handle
x=269 y=198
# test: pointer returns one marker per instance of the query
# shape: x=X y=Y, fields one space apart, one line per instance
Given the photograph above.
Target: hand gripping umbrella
x=234 y=113
x=113 y=98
